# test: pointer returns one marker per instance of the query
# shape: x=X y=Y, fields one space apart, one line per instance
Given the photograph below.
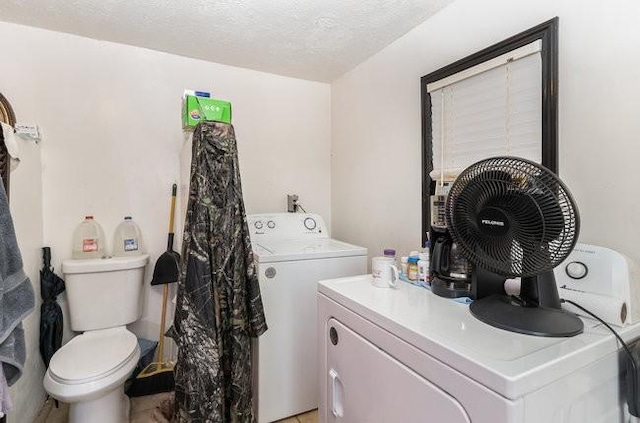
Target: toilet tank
x=104 y=293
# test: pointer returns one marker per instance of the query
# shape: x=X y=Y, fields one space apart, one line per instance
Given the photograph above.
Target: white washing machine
x=407 y=355
x=293 y=252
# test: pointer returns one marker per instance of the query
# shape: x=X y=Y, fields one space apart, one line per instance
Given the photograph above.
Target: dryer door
x=365 y=384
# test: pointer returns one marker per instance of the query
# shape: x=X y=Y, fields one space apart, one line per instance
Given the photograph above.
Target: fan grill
x=538 y=225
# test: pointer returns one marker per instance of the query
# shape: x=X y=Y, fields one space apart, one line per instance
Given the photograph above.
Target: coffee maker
x=450 y=271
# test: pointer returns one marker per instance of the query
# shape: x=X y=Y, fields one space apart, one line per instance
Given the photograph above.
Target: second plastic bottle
x=126 y=239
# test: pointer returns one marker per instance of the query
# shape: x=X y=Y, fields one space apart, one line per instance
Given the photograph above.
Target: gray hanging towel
x=219 y=307
x=16 y=297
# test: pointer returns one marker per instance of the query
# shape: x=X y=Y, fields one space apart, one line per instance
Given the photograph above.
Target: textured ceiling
x=310 y=39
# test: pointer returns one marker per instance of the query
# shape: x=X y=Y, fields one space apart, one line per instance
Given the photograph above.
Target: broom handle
x=165 y=288
x=165 y=294
x=173 y=207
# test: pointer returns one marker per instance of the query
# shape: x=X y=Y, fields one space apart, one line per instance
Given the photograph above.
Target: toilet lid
x=93 y=355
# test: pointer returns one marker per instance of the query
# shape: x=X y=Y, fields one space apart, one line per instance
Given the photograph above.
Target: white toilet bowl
x=89 y=373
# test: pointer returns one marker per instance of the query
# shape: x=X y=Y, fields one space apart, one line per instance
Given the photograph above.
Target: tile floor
x=143 y=410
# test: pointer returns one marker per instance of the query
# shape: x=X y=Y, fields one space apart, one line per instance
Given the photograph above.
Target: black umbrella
x=51 y=285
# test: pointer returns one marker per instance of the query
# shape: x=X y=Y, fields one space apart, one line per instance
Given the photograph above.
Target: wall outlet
x=292 y=203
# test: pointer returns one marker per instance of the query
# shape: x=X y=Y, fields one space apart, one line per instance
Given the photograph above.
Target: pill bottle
x=404 y=261
x=389 y=252
x=423 y=268
x=412 y=268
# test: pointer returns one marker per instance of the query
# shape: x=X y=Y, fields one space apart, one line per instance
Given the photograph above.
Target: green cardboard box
x=198 y=109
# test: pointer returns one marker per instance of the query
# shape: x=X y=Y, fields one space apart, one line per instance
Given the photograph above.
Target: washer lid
x=304 y=249
x=93 y=355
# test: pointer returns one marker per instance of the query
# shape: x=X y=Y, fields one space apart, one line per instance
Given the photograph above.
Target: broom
x=158 y=376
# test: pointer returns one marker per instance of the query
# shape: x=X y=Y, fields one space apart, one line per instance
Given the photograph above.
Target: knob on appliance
x=576 y=270
x=258 y=224
x=271 y=224
x=270 y=272
x=310 y=223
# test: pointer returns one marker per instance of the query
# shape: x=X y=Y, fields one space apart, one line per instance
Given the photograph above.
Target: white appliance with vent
x=293 y=252
x=406 y=355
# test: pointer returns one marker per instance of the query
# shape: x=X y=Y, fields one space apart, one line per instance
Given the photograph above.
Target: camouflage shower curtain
x=219 y=308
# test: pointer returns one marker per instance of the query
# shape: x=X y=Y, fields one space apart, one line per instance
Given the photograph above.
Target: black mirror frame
x=547 y=32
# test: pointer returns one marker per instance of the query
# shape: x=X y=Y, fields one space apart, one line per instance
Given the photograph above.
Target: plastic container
x=423 y=268
x=427 y=248
x=88 y=240
x=404 y=260
x=126 y=239
x=389 y=252
x=412 y=268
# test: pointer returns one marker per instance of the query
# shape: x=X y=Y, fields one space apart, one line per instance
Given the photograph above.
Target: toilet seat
x=93 y=356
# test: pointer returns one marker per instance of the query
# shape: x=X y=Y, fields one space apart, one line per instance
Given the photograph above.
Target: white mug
x=385 y=273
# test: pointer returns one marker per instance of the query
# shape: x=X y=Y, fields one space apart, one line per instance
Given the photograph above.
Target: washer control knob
x=310 y=223
x=271 y=224
x=258 y=224
x=576 y=270
x=270 y=273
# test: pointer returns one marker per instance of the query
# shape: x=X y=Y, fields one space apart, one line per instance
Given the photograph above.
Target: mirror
x=545 y=37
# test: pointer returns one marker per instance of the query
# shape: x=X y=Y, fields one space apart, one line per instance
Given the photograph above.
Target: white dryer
x=293 y=252
x=407 y=355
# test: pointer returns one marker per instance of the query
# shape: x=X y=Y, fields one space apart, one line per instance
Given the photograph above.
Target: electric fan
x=511 y=218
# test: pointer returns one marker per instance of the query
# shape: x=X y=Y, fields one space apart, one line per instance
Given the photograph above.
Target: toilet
x=89 y=371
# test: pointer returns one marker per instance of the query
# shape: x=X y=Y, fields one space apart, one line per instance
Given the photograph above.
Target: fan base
x=503 y=312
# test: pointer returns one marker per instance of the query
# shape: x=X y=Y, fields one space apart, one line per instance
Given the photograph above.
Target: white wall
x=376 y=132
x=110 y=118
x=26 y=211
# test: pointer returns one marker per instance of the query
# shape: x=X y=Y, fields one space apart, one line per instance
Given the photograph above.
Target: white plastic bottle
x=423 y=268
x=126 y=239
x=404 y=262
x=88 y=240
x=423 y=264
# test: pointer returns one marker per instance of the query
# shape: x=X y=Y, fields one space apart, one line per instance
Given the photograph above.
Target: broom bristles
x=156 y=367
x=162 y=381
x=156 y=378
